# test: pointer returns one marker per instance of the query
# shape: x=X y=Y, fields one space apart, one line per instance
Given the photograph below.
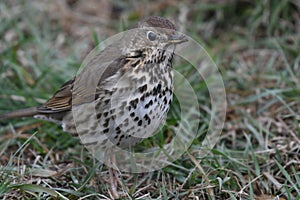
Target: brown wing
x=61 y=100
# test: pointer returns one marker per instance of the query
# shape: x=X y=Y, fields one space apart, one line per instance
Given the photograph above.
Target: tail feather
x=27 y=112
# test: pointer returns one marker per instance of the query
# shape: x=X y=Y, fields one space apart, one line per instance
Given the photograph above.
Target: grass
x=254 y=44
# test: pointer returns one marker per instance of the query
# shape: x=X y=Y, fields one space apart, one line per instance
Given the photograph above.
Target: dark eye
x=151 y=35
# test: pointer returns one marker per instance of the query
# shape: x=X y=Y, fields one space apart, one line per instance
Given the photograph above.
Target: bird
x=123 y=93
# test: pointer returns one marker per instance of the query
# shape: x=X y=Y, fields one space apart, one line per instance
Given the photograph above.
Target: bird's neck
x=157 y=56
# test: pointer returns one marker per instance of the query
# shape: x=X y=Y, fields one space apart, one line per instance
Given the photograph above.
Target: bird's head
x=154 y=33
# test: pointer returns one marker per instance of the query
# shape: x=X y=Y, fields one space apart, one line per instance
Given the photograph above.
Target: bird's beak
x=177 y=39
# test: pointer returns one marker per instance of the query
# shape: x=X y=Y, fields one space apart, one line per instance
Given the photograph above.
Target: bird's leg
x=112 y=176
x=113 y=184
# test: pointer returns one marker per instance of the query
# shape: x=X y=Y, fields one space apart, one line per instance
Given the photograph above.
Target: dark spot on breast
x=132 y=114
x=143 y=88
x=165 y=100
x=106 y=101
x=112 y=111
x=147 y=94
x=149 y=104
x=136 y=119
x=105 y=114
x=106 y=123
x=156 y=90
x=140 y=123
x=134 y=103
x=106 y=130
x=158 y=87
x=146 y=117
x=99 y=115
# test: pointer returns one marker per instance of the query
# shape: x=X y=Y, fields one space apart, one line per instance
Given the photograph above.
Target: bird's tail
x=27 y=112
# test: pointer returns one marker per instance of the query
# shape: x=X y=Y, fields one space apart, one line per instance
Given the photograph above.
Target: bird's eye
x=151 y=35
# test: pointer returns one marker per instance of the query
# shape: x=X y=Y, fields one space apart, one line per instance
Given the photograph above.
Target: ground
x=256 y=46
